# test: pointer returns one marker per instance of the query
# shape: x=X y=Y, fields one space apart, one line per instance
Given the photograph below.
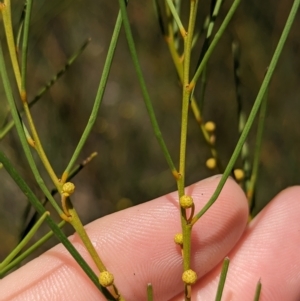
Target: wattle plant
x=191 y=47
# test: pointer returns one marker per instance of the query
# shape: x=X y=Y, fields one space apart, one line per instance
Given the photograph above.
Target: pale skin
x=137 y=246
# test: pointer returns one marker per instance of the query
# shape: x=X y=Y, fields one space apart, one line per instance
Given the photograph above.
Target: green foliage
x=179 y=26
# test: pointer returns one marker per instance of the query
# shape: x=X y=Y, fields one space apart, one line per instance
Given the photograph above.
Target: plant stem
x=47 y=86
x=6 y=12
x=261 y=122
x=195 y=108
x=23 y=243
x=186 y=227
x=241 y=114
x=222 y=279
x=257 y=291
x=72 y=174
x=146 y=96
x=254 y=110
x=176 y=17
x=37 y=143
x=21 y=133
x=214 y=43
x=57 y=231
x=28 y=251
x=149 y=292
x=186 y=96
x=77 y=225
x=25 y=47
x=98 y=99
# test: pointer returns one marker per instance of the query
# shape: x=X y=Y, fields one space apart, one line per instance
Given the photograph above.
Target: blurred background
x=130 y=167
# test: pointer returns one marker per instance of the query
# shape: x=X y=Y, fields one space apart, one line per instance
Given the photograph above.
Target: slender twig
x=185 y=225
x=240 y=113
x=178 y=62
x=254 y=110
x=149 y=292
x=256 y=160
x=146 y=96
x=186 y=96
x=6 y=12
x=57 y=231
x=47 y=86
x=222 y=279
x=18 y=260
x=23 y=243
x=21 y=133
x=98 y=99
x=209 y=31
x=214 y=43
x=25 y=48
x=176 y=17
x=37 y=143
x=257 y=291
x=21 y=24
x=54 y=191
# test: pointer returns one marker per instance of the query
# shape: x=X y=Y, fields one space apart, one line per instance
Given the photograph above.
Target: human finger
x=268 y=250
x=137 y=247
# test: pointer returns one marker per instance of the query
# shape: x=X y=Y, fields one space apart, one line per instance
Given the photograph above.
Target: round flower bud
x=239 y=174
x=68 y=188
x=211 y=163
x=210 y=126
x=189 y=277
x=186 y=201
x=178 y=238
x=106 y=278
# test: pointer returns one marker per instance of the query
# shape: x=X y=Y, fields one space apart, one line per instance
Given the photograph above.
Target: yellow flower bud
x=68 y=188
x=178 y=238
x=211 y=163
x=106 y=278
x=186 y=201
x=210 y=126
x=189 y=277
x=239 y=174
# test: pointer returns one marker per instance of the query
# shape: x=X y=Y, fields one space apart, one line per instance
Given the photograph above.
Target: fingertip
x=267 y=251
x=218 y=230
x=137 y=246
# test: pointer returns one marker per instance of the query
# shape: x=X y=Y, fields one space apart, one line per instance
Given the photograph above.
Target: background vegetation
x=130 y=167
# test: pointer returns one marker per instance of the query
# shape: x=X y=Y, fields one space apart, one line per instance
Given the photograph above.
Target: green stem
x=46 y=87
x=214 y=43
x=25 y=47
x=241 y=114
x=28 y=252
x=179 y=68
x=257 y=291
x=56 y=230
x=149 y=292
x=37 y=143
x=261 y=122
x=254 y=110
x=222 y=279
x=72 y=174
x=187 y=244
x=23 y=243
x=186 y=227
x=77 y=225
x=98 y=99
x=6 y=12
x=186 y=96
x=176 y=17
x=21 y=133
x=146 y=96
